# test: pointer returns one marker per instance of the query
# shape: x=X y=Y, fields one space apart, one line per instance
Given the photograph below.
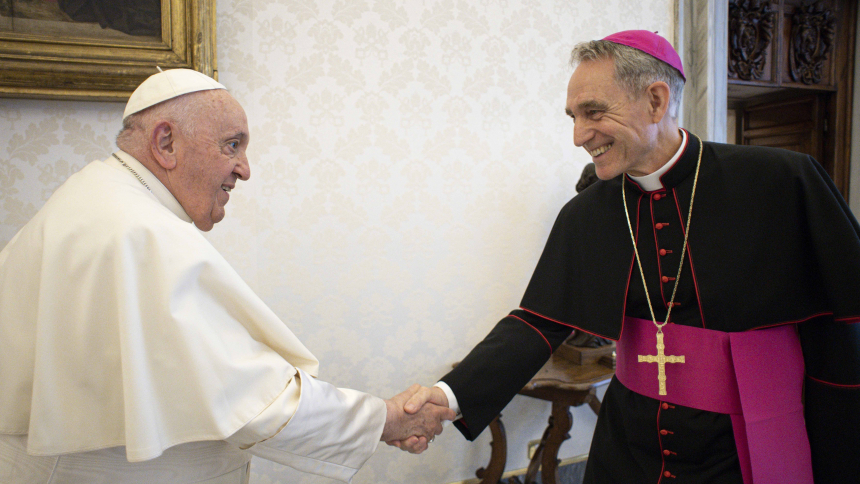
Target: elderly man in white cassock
x=130 y=350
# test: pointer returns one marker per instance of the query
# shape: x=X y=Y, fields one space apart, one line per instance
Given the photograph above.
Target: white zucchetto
x=167 y=85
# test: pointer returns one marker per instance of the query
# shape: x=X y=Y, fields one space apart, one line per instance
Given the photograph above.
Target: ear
x=658 y=100
x=163 y=145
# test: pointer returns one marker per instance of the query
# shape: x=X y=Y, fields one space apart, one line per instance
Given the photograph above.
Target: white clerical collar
x=651 y=183
x=151 y=182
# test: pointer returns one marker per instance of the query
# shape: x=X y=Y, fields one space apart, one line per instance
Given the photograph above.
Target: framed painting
x=100 y=50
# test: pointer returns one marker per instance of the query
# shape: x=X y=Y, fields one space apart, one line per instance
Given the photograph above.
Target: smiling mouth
x=599 y=151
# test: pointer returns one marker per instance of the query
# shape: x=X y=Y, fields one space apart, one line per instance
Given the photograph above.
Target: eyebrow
x=237 y=134
x=593 y=104
x=586 y=105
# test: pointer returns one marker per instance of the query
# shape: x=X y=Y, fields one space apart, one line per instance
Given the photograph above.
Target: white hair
x=182 y=111
x=634 y=69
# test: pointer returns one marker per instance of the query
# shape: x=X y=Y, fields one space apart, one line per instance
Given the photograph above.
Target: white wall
x=408 y=160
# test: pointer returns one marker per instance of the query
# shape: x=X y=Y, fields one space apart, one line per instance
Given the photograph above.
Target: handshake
x=414 y=418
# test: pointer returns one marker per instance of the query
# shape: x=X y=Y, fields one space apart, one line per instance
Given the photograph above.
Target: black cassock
x=771 y=242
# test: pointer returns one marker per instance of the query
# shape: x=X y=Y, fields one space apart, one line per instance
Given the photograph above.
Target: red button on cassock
x=659 y=226
x=664 y=406
x=667 y=474
x=658 y=196
x=662 y=251
x=667 y=452
x=665 y=279
x=664 y=432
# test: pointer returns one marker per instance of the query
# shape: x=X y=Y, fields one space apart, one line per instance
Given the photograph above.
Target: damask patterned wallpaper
x=408 y=159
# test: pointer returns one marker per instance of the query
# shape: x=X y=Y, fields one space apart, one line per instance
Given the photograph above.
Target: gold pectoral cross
x=661 y=359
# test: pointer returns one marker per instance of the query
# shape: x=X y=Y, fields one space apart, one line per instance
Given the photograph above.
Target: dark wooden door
x=791 y=75
x=797 y=124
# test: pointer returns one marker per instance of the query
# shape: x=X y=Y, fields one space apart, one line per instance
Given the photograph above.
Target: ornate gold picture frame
x=48 y=59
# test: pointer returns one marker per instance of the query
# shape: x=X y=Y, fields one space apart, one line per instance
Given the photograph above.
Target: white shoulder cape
x=120 y=325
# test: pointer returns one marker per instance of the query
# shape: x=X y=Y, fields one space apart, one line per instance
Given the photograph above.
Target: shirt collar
x=652 y=182
x=155 y=186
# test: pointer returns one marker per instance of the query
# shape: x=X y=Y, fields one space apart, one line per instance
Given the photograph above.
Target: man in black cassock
x=745 y=256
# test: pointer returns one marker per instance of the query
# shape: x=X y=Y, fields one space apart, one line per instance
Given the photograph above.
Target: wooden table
x=566 y=385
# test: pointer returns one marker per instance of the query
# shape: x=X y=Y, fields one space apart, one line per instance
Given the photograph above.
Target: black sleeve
x=500 y=366
x=835 y=236
x=831 y=344
x=831 y=352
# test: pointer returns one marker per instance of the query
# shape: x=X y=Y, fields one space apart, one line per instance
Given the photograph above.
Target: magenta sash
x=756 y=377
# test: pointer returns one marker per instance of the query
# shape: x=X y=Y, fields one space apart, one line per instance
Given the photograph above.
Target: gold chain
x=132 y=172
x=683 y=249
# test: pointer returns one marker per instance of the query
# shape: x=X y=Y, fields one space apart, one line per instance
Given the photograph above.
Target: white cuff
x=332 y=432
x=452 y=399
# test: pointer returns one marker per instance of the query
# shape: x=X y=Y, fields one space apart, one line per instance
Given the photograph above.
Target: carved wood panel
x=777 y=43
x=751 y=31
x=810 y=42
x=811 y=52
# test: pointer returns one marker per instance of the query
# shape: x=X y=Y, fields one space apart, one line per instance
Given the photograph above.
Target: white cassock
x=130 y=351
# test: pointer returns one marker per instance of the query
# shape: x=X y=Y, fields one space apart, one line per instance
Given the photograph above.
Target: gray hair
x=634 y=69
x=181 y=111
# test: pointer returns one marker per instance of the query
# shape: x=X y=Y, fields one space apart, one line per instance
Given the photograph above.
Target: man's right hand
x=415 y=417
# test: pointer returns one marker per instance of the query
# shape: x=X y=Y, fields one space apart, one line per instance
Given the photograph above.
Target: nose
x=581 y=133
x=243 y=168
